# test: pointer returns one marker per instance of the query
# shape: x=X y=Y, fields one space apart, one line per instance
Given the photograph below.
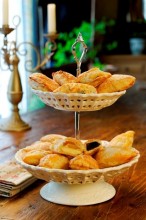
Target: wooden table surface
x=129 y=203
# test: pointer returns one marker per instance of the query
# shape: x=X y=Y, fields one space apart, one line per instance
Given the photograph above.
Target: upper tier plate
x=78 y=102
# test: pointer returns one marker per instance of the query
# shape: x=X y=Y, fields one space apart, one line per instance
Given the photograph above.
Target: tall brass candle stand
x=14 y=92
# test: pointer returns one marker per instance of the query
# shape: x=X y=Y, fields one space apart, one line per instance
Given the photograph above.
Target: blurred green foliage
x=65 y=40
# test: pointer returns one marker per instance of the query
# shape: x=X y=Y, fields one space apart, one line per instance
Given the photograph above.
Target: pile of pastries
x=56 y=151
x=92 y=81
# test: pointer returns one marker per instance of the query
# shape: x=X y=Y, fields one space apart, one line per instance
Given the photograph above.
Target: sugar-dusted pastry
x=54 y=161
x=52 y=138
x=92 y=146
x=39 y=145
x=118 y=151
x=113 y=156
x=62 y=77
x=83 y=162
x=41 y=82
x=116 y=83
x=123 y=140
x=33 y=157
x=68 y=146
x=76 y=88
x=94 y=76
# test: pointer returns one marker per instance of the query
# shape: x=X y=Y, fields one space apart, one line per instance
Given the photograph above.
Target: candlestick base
x=14 y=123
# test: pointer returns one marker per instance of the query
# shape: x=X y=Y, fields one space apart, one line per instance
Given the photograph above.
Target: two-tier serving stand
x=77 y=187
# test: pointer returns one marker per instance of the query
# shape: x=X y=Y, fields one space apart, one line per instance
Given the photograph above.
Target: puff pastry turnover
x=83 y=162
x=41 y=82
x=52 y=138
x=92 y=146
x=54 y=161
x=62 y=77
x=68 y=146
x=118 y=151
x=94 y=76
x=76 y=88
x=116 y=83
x=33 y=157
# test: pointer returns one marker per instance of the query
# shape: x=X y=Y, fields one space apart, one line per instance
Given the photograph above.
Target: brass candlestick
x=11 y=59
x=14 y=91
x=50 y=47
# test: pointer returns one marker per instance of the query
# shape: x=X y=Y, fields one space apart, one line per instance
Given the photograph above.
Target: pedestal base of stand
x=78 y=194
x=13 y=123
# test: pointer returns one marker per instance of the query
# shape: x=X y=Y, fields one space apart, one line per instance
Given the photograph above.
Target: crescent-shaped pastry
x=113 y=156
x=118 y=151
x=124 y=140
x=41 y=82
x=94 y=77
x=83 y=162
x=76 y=88
x=68 y=146
x=54 y=161
x=62 y=77
x=116 y=83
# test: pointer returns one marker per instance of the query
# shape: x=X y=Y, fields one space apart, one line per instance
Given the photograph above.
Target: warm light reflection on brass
x=11 y=59
x=14 y=91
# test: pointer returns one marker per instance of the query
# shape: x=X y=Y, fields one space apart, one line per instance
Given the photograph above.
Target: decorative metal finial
x=79 y=60
x=79 y=40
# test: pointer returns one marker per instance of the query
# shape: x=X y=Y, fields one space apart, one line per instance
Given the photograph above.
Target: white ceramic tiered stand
x=77 y=187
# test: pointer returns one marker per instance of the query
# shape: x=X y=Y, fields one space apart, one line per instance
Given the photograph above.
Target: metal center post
x=83 y=49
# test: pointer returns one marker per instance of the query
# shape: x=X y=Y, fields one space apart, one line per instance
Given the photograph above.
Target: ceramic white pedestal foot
x=78 y=194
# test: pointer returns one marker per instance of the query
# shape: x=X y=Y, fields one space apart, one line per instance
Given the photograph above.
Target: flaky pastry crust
x=83 y=162
x=39 y=81
x=62 y=77
x=76 y=88
x=116 y=83
x=93 y=76
x=54 y=161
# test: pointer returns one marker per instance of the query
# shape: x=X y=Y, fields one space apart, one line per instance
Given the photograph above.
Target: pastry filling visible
x=92 y=145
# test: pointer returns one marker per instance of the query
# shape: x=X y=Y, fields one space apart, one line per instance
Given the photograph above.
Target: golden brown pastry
x=54 y=161
x=62 y=77
x=39 y=145
x=83 y=162
x=118 y=151
x=92 y=146
x=76 y=88
x=52 y=138
x=125 y=140
x=113 y=156
x=68 y=146
x=94 y=77
x=116 y=83
x=33 y=157
x=41 y=82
